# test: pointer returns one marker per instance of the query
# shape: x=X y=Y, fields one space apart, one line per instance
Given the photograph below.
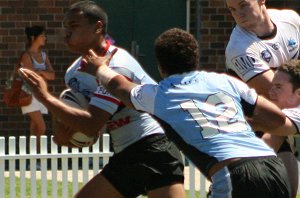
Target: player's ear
x=297 y=92
x=99 y=27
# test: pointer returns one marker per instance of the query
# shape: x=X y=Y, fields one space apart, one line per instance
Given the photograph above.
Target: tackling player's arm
x=113 y=82
x=261 y=113
x=269 y=118
x=262 y=83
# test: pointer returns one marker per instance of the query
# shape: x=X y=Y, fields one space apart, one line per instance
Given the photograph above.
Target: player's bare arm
x=288 y=128
x=268 y=117
x=274 y=141
x=262 y=83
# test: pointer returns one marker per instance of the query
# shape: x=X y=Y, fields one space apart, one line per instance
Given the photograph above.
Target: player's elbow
x=277 y=121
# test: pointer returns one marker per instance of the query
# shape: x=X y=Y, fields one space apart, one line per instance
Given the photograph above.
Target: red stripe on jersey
x=106 y=48
x=112 y=100
x=130 y=80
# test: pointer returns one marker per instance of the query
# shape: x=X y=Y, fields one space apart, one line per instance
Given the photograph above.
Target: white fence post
x=22 y=165
x=106 y=148
x=2 y=167
x=192 y=180
x=32 y=152
x=12 y=166
x=54 y=153
x=69 y=172
x=43 y=164
x=64 y=169
x=75 y=161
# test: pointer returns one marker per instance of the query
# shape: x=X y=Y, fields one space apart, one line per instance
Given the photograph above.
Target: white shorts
x=35 y=105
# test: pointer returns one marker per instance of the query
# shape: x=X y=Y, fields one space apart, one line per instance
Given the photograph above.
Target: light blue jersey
x=206 y=112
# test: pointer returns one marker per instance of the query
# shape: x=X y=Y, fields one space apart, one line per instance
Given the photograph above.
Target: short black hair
x=34 y=32
x=177 y=51
x=292 y=68
x=92 y=11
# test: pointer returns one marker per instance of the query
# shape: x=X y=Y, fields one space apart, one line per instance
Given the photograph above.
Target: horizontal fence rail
x=26 y=173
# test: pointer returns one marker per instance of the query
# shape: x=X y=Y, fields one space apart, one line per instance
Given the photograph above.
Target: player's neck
x=265 y=28
x=100 y=49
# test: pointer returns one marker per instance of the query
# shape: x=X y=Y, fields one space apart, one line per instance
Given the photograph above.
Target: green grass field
x=49 y=184
x=38 y=190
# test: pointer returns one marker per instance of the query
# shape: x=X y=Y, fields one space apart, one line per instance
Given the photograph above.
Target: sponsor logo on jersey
x=115 y=124
x=276 y=46
x=243 y=64
x=101 y=90
x=292 y=44
x=138 y=95
x=74 y=84
x=266 y=55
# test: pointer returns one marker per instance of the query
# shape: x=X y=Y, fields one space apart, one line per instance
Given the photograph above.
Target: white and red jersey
x=126 y=126
x=294 y=115
x=247 y=55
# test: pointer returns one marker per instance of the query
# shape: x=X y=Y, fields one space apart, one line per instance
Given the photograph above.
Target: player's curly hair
x=177 y=51
x=92 y=11
x=292 y=68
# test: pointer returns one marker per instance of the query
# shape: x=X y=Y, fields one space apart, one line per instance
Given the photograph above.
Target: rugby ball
x=74 y=99
x=77 y=100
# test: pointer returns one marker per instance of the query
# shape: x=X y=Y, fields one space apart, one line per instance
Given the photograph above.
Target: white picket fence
x=61 y=167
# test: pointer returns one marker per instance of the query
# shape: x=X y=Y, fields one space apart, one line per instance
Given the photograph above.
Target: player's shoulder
x=295 y=112
x=213 y=77
x=239 y=42
x=286 y=15
x=75 y=64
x=122 y=57
x=282 y=13
x=294 y=115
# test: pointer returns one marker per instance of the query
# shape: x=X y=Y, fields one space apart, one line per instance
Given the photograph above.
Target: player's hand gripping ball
x=64 y=135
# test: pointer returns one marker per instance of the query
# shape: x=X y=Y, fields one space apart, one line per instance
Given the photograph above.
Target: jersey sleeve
x=242 y=56
x=143 y=97
x=247 y=95
x=294 y=115
x=292 y=16
x=245 y=92
x=246 y=65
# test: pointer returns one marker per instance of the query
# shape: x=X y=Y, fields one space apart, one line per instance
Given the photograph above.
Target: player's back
x=211 y=106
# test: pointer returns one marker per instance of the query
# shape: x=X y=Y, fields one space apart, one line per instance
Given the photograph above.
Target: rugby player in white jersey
x=145 y=161
x=285 y=93
x=204 y=115
x=262 y=40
